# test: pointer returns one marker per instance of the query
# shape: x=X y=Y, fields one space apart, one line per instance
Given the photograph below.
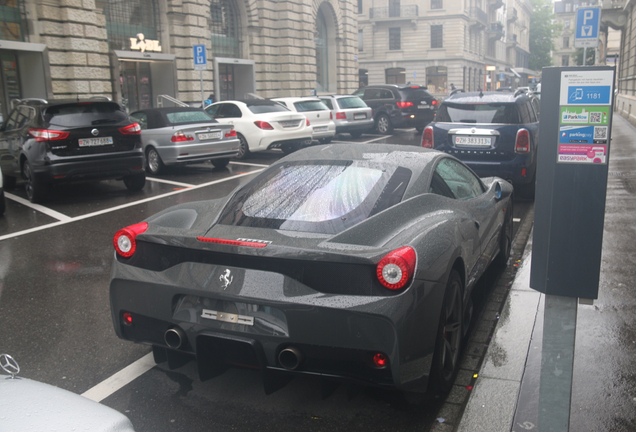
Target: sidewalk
x=504 y=396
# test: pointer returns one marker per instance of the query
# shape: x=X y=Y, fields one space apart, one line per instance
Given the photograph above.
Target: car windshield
x=312 y=105
x=351 y=102
x=318 y=197
x=84 y=114
x=263 y=108
x=478 y=113
x=179 y=117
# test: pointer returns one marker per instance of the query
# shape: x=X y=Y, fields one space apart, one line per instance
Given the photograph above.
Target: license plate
x=89 y=142
x=320 y=128
x=290 y=123
x=424 y=107
x=359 y=116
x=227 y=317
x=473 y=141
x=209 y=136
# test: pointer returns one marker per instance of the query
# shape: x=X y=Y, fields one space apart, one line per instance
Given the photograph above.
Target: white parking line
x=47 y=211
x=249 y=164
x=125 y=376
x=130 y=204
x=186 y=185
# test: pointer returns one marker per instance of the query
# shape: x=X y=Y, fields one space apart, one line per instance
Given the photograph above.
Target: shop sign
x=140 y=43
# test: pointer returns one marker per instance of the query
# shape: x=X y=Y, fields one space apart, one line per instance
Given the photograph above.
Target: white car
x=319 y=115
x=262 y=124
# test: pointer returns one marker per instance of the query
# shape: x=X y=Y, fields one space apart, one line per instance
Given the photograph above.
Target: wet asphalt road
x=55 y=317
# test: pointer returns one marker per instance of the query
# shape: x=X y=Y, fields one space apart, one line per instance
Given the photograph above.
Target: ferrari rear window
x=478 y=113
x=318 y=197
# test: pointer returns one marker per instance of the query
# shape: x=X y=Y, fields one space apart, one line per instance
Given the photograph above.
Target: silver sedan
x=181 y=135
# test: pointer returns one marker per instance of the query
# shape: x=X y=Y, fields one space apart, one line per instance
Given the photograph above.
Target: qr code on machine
x=600 y=132
x=596 y=117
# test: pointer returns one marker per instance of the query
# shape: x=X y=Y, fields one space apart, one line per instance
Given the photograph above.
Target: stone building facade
x=136 y=51
x=625 y=103
x=469 y=43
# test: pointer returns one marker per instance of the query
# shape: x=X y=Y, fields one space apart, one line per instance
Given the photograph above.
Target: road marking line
x=375 y=139
x=125 y=376
x=186 y=185
x=47 y=211
x=249 y=164
x=123 y=206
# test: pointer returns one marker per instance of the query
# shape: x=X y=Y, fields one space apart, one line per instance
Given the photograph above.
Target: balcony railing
x=495 y=30
x=408 y=11
x=477 y=16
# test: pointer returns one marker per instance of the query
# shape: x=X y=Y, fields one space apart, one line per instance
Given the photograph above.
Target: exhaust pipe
x=174 y=337
x=290 y=358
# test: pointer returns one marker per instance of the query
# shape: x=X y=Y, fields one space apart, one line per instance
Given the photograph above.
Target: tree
x=542 y=31
x=577 y=57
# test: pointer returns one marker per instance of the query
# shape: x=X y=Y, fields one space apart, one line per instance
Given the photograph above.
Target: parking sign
x=587 y=25
x=200 y=60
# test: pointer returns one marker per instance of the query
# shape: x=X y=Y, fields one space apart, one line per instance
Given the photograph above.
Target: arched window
x=224 y=29
x=127 y=19
x=10 y=21
x=322 y=53
x=395 y=76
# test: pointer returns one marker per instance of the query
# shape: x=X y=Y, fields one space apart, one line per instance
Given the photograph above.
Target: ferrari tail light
x=179 y=136
x=47 y=134
x=230 y=133
x=404 y=104
x=397 y=268
x=133 y=129
x=380 y=360
x=427 y=137
x=341 y=116
x=127 y=318
x=263 y=125
x=125 y=240
x=522 y=143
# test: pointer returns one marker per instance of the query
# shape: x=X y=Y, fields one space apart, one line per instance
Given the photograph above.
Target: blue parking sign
x=200 y=59
x=587 y=25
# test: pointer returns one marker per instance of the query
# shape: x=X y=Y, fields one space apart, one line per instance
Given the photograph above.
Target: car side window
x=328 y=103
x=141 y=118
x=386 y=94
x=459 y=179
x=372 y=94
x=214 y=110
x=231 y=111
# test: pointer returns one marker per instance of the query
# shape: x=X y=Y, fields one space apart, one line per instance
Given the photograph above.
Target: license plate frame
x=360 y=116
x=473 y=141
x=321 y=128
x=205 y=136
x=95 y=142
x=227 y=317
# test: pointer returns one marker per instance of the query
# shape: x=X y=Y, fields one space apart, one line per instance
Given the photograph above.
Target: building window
x=437 y=40
x=395 y=76
x=11 y=21
x=565 y=60
x=322 y=53
x=360 y=8
x=128 y=19
x=437 y=4
x=394 y=8
x=566 y=24
x=360 y=40
x=394 y=38
x=566 y=42
x=224 y=28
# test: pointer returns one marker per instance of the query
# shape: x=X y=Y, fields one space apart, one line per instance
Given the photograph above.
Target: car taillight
x=522 y=143
x=263 y=125
x=341 y=116
x=179 y=136
x=434 y=103
x=47 y=134
x=427 y=137
x=125 y=240
x=404 y=104
x=397 y=268
x=231 y=133
x=330 y=116
x=308 y=124
x=133 y=129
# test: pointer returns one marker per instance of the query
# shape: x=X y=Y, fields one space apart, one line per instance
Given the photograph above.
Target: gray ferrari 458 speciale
x=348 y=262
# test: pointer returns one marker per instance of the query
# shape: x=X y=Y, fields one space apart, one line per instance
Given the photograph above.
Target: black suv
x=494 y=133
x=399 y=106
x=59 y=141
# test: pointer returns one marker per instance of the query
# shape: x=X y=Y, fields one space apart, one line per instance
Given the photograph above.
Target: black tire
x=220 y=163
x=289 y=148
x=135 y=182
x=383 y=124
x=35 y=188
x=325 y=140
x=8 y=182
x=355 y=134
x=505 y=238
x=154 y=164
x=244 y=148
x=449 y=337
x=3 y=205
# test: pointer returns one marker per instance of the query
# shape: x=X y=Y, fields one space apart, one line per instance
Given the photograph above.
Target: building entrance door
x=9 y=82
x=226 y=82
x=136 y=85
